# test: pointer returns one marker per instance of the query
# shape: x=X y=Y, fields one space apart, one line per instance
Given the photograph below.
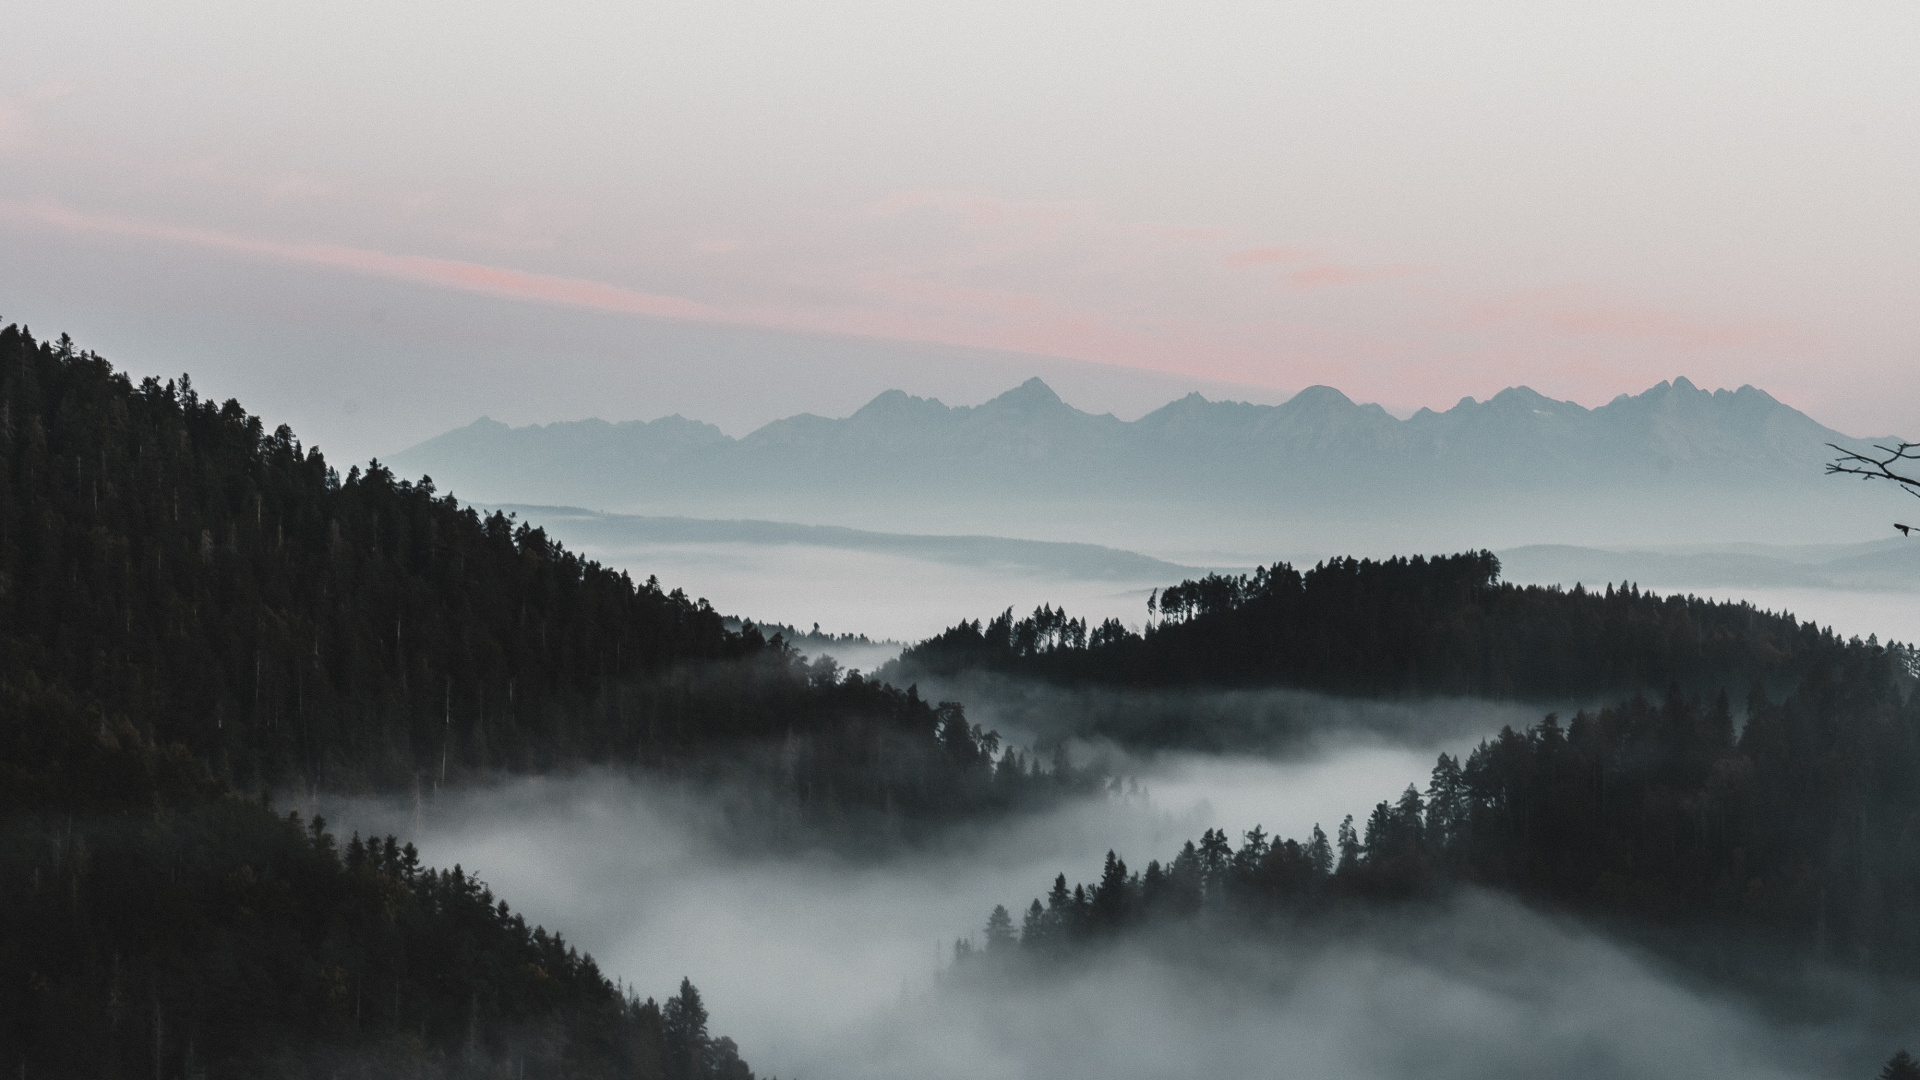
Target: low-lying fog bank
x=876 y=593
x=1266 y=721
x=824 y=967
x=796 y=950
x=1480 y=988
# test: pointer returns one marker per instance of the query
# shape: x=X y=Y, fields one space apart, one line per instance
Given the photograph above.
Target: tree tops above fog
x=1400 y=627
x=1794 y=834
x=169 y=562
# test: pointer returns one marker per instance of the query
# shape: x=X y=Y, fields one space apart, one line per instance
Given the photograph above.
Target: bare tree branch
x=1868 y=467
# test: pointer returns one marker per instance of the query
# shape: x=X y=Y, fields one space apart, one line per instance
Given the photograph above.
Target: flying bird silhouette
x=1905 y=530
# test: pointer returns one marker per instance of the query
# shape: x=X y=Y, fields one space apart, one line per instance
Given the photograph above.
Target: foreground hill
x=167 y=560
x=1319 y=455
x=192 y=607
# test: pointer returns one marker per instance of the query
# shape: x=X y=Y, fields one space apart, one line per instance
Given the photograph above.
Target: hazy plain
x=904 y=587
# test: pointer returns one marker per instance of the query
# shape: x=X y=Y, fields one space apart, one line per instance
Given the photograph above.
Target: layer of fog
x=1264 y=721
x=878 y=594
x=907 y=596
x=799 y=951
x=1857 y=590
x=821 y=966
x=1480 y=987
x=826 y=966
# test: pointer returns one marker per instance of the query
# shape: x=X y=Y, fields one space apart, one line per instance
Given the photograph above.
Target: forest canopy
x=1788 y=838
x=1402 y=627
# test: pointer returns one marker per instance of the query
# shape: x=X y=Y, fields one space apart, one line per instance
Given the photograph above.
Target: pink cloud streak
x=416 y=269
x=1059 y=280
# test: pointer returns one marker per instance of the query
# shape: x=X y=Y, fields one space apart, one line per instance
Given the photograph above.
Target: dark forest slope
x=169 y=561
x=1745 y=850
x=191 y=606
x=157 y=925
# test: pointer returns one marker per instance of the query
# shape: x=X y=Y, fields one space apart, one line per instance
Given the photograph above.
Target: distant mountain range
x=1028 y=456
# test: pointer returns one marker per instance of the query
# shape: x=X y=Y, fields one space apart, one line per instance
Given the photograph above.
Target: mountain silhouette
x=1318 y=453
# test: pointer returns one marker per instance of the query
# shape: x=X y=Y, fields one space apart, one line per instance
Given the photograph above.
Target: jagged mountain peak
x=898 y=404
x=1521 y=395
x=1029 y=395
x=1318 y=397
x=1029 y=443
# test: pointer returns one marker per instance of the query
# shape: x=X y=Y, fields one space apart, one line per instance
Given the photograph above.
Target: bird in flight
x=1905 y=530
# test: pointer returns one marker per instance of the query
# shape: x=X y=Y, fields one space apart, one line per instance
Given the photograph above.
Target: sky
x=383 y=220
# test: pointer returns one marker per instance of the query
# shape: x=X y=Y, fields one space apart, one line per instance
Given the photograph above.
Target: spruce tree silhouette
x=1901 y=1066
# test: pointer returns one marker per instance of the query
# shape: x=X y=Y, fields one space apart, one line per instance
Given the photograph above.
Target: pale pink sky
x=1413 y=202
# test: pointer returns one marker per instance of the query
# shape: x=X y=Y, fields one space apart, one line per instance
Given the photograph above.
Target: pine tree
x=1033 y=928
x=1349 y=847
x=999 y=930
x=1111 y=903
x=1901 y=1066
x=1319 y=852
x=685 y=1022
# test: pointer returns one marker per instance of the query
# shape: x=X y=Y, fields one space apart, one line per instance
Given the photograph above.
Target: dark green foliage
x=1799 y=835
x=168 y=562
x=190 y=606
x=156 y=927
x=1397 y=627
x=1901 y=1066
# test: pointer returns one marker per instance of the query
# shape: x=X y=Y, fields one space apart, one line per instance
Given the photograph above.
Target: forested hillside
x=157 y=925
x=193 y=608
x=169 y=561
x=1744 y=849
x=1402 y=627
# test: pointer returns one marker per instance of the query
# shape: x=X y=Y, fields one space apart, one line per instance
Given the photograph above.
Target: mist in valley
x=897 y=588
x=801 y=947
x=903 y=591
x=826 y=959
x=1294 y=723
x=849 y=476
x=823 y=961
x=824 y=964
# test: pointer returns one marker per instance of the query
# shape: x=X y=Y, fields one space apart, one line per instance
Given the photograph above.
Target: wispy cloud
x=418 y=269
x=1070 y=280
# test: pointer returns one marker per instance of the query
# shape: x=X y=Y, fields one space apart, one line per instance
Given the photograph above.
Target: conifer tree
x=999 y=930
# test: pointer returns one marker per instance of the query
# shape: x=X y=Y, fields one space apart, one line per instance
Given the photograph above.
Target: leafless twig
x=1868 y=467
